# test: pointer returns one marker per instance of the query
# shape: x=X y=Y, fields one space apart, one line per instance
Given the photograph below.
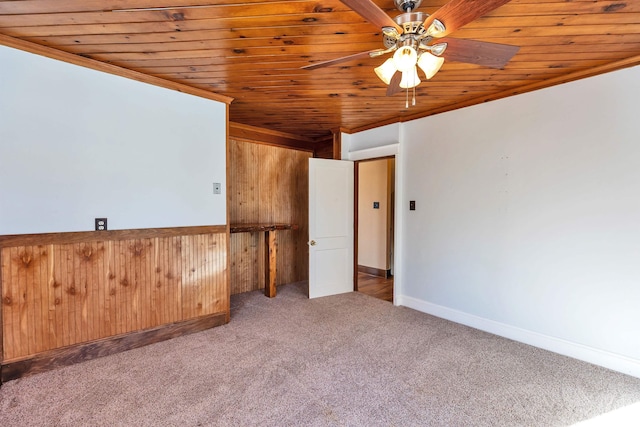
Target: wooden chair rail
x=94 y=236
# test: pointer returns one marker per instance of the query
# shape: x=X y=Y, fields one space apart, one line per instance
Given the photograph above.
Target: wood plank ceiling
x=253 y=50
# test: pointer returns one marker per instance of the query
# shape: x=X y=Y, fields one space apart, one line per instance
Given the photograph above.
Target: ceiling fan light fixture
x=436 y=28
x=410 y=79
x=391 y=32
x=430 y=64
x=438 y=48
x=386 y=71
x=405 y=58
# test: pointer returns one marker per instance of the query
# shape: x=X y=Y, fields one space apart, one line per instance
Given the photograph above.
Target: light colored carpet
x=347 y=360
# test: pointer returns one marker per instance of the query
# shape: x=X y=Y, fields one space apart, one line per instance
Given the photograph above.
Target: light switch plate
x=217 y=188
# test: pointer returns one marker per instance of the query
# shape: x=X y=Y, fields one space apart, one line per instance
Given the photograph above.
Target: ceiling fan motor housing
x=407 y=5
x=412 y=24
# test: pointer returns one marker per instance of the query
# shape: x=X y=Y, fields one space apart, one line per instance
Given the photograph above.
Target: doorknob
x=312 y=243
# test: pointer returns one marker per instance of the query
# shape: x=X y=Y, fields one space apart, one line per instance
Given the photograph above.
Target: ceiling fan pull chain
x=406 y=102
x=413 y=101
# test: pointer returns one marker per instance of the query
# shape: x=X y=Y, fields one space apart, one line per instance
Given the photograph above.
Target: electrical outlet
x=376 y=205
x=217 y=188
x=101 y=224
x=412 y=205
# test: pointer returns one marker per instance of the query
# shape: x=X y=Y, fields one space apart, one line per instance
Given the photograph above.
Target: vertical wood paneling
x=33 y=286
x=221 y=294
x=244 y=208
x=122 y=286
x=10 y=309
x=109 y=275
x=63 y=307
x=59 y=295
x=203 y=271
x=137 y=252
x=189 y=282
x=49 y=283
x=20 y=292
x=73 y=276
x=115 y=289
x=301 y=210
x=175 y=260
x=98 y=308
x=267 y=184
x=7 y=298
x=157 y=316
x=41 y=283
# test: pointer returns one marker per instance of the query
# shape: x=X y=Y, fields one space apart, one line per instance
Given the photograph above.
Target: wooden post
x=337 y=144
x=270 y=263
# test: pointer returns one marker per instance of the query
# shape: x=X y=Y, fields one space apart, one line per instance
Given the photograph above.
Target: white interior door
x=330 y=227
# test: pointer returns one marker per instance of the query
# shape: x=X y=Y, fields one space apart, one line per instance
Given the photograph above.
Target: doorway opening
x=374 y=227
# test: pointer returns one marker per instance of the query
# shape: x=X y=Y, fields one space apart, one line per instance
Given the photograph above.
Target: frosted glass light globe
x=386 y=71
x=430 y=64
x=410 y=79
x=405 y=58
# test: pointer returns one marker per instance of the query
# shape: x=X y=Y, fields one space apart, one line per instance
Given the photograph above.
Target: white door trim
x=400 y=208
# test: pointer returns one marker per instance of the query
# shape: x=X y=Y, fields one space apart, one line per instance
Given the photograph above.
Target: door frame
x=356 y=195
x=371 y=145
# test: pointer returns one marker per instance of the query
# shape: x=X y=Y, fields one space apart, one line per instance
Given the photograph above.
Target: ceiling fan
x=411 y=34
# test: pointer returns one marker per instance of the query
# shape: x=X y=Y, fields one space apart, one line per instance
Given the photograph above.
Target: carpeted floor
x=347 y=360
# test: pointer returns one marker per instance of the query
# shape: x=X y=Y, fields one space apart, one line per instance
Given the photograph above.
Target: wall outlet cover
x=101 y=224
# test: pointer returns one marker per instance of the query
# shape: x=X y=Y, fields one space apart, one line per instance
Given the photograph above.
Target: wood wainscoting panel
x=203 y=276
x=267 y=184
x=64 y=294
x=66 y=356
x=244 y=188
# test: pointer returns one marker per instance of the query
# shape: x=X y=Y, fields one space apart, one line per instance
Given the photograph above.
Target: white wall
x=76 y=144
x=528 y=218
x=371 y=143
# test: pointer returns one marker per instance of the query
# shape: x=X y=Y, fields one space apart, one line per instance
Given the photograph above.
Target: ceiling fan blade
x=394 y=84
x=487 y=54
x=330 y=62
x=372 y=13
x=457 y=13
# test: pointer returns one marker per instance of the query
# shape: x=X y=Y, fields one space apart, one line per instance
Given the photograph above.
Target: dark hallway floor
x=375 y=286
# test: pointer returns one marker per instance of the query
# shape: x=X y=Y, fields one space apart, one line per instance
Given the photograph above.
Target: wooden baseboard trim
x=87 y=351
x=374 y=271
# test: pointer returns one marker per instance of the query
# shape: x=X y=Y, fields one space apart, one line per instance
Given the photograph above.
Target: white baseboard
x=582 y=352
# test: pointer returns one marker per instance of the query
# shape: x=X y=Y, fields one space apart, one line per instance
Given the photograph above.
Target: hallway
x=376 y=286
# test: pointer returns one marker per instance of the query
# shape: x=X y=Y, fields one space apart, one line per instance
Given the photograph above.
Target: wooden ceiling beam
x=270 y=137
